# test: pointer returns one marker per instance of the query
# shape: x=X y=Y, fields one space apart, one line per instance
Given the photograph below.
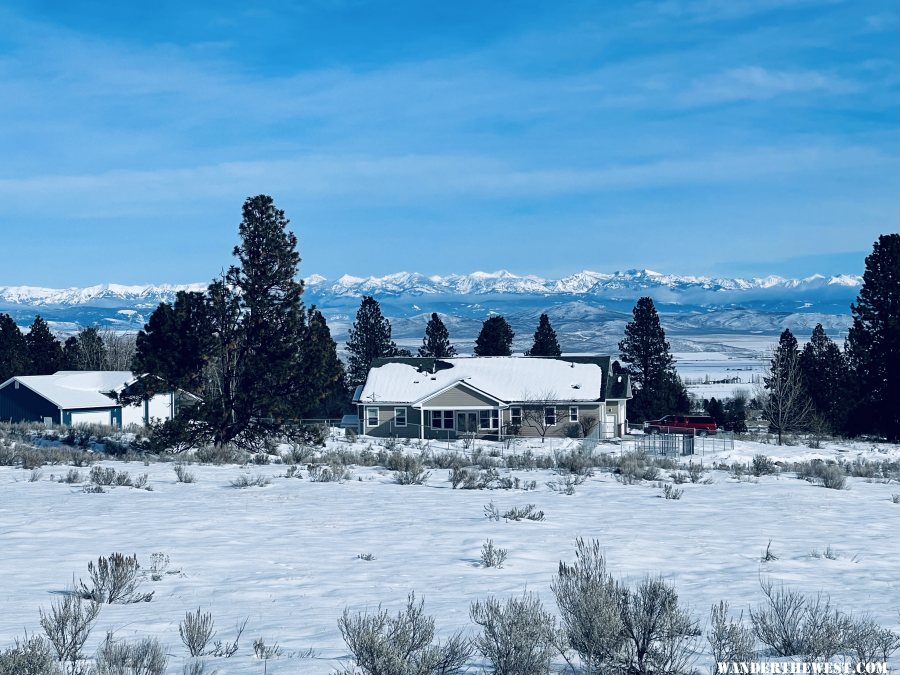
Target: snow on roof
x=507 y=378
x=76 y=388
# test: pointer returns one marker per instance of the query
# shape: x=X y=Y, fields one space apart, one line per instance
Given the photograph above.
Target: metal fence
x=674 y=445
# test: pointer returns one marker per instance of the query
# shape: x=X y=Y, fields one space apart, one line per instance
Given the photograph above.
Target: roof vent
x=572 y=365
x=576 y=386
x=433 y=377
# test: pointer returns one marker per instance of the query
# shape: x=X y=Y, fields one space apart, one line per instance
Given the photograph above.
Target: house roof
x=507 y=378
x=70 y=389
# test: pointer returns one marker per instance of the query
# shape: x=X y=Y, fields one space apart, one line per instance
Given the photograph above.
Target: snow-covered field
x=285 y=556
x=724 y=374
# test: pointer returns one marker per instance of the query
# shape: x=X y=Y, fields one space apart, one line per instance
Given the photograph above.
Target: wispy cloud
x=409 y=179
x=690 y=111
x=756 y=83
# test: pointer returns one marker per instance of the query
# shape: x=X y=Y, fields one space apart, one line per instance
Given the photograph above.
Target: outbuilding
x=71 y=397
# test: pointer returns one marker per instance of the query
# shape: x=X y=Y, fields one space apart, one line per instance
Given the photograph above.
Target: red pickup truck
x=682 y=424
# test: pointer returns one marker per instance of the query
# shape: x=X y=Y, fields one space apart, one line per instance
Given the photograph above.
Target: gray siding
x=387 y=428
x=562 y=418
x=460 y=397
x=386 y=422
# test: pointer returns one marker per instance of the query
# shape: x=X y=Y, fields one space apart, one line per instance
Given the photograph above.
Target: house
x=492 y=397
x=73 y=397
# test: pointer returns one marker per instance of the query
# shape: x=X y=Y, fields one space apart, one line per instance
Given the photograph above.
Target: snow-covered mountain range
x=613 y=286
x=588 y=309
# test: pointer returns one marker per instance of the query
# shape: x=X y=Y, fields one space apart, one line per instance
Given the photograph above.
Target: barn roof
x=69 y=389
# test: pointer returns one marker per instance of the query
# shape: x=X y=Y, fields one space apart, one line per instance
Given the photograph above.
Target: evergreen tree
x=369 y=339
x=13 y=352
x=657 y=388
x=716 y=410
x=873 y=343
x=244 y=346
x=436 y=342
x=45 y=354
x=495 y=338
x=545 y=342
x=70 y=353
x=217 y=413
x=88 y=351
x=321 y=369
x=736 y=415
x=273 y=320
x=824 y=373
x=786 y=405
x=174 y=345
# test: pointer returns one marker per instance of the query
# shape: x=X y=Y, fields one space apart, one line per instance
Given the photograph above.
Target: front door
x=609 y=427
x=466 y=422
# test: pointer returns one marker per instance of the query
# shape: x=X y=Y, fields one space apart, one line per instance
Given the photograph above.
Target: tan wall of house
x=460 y=397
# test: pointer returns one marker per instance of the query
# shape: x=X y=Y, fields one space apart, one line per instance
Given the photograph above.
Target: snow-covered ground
x=285 y=556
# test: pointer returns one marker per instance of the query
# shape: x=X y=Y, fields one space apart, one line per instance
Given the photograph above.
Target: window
x=488 y=419
x=573 y=413
x=441 y=419
x=371 y=417
x=515 y=417
x=399 y=417
x=549 y=416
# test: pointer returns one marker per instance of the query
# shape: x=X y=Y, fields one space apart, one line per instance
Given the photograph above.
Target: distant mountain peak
x=586 y=283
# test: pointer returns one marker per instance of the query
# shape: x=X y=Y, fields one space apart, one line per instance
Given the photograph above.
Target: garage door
x=99 y=417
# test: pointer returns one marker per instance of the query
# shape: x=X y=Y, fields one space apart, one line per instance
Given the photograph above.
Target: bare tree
x=784 y=401
x=587 y=423
x=540 y=413
x=120 y=348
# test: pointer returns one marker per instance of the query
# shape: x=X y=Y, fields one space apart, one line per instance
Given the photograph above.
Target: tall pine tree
x=273 y=321
x=244 y=346
x=13 y=353
x=786 y=404
x=657 y=388
x=495 y=338
x=873 y=343
x=436 y=342
x=216 y=415
x=545 y=342
x=369 y=339
x=70 y=354
x=824 y=372
x=321 y=369
x=45 y=354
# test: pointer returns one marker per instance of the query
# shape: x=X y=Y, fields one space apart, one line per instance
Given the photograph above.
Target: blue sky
x=722 y=137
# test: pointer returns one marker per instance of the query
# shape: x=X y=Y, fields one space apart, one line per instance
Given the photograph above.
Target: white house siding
x=160 y=407
x=133 y=414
